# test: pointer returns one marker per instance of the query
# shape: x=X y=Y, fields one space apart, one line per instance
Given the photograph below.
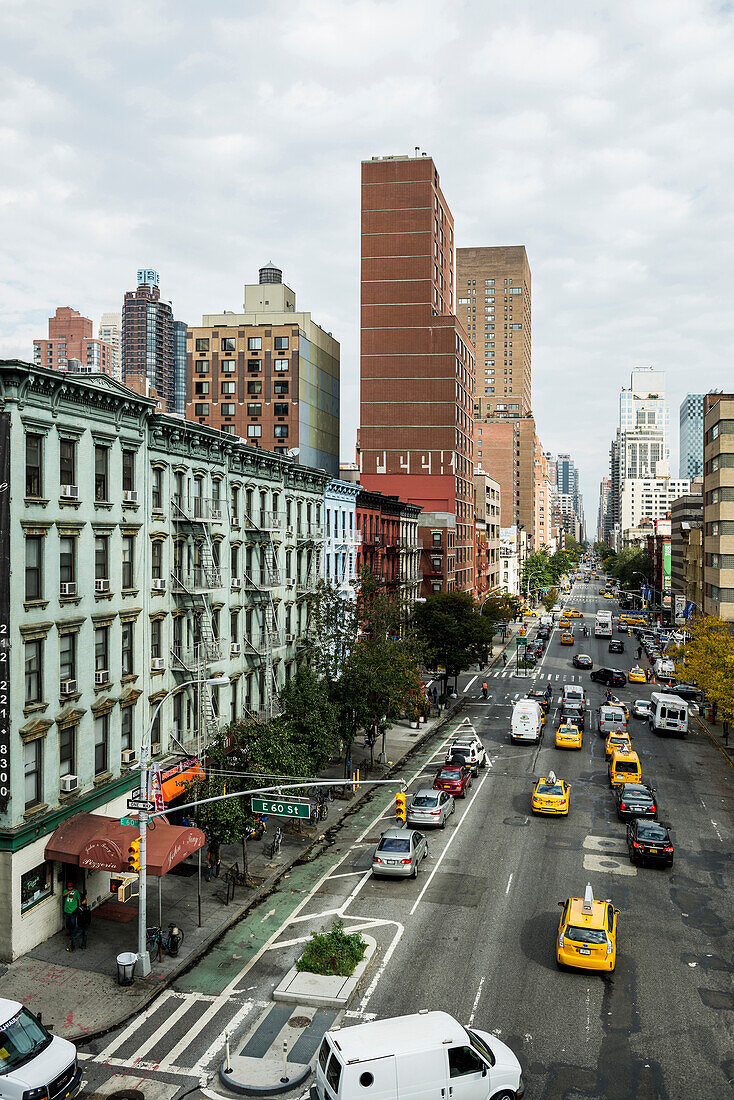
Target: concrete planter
x=301 y=988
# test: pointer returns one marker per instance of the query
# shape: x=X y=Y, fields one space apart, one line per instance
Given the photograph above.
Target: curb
x=283 y=994
x=264 y=1090
x=715 y=741
x=263 y=891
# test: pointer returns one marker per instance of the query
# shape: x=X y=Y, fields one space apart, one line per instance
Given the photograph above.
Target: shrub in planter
x=333 y=952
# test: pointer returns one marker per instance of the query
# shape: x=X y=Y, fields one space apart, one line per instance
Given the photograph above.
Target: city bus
x=603 y=624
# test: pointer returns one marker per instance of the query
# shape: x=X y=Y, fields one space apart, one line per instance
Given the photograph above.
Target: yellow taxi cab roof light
x=552 y=777
x=588 y=899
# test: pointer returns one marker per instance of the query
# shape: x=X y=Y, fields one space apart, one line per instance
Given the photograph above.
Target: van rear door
x=422 y=1074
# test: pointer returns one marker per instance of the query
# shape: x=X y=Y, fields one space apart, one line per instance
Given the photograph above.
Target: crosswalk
x=537 y=673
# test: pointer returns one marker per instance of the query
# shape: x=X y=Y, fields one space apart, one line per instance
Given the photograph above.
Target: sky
x=205 y=139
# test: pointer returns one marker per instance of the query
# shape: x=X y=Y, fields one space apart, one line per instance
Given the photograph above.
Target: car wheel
x=505 y=1096
x=415 y=870
x=443 y=822
x=484 y=760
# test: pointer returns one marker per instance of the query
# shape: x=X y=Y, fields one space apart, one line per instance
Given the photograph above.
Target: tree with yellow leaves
x=708 y=659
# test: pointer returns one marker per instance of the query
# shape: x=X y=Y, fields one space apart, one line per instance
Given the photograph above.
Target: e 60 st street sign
x=280 y=807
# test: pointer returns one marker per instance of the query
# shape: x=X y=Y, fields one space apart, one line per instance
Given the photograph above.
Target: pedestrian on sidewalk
x=83 y=920
x=71 y=904
x=214 y=862
x=725 y=730
x=434 y=695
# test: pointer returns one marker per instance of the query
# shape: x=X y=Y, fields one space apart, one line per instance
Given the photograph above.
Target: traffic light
x=400 y=814
x=133 y=855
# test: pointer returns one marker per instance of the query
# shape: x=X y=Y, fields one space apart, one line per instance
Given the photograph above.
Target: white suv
x=573 y=693
x=472 y=748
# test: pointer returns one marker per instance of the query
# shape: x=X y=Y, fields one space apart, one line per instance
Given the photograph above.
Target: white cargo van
x=664 y=668
x=34 y=1063
x=668 y=714
x=527 y=721
x=426 y=1056
x=546 y=620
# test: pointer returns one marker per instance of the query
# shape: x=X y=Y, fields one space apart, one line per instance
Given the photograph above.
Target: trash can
x=126 y=967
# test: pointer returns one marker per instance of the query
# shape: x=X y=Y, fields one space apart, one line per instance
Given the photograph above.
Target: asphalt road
x=475 y=933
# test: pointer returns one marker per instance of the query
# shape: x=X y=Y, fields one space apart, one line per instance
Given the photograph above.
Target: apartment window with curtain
x=128 y=471
x=34 y=567
x=101 y=473
x=67 y=657
x=33 y=465
x=67 y=751
x=101 y=558
x=67 y=461
x=234 y=504
x=128 y=561
x=102 y=649
x=156 y=560
x=101 y=743
x=33 y=672
x=32 y=765
x=128 y=639
x=157 y=489
x=67 y=560
x=126 y=728
x=234 y=618
x=156 y=637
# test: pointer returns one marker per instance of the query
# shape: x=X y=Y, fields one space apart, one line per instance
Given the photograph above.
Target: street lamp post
x=143 y=953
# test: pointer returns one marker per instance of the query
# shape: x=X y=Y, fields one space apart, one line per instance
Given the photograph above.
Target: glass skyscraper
x=691 y=436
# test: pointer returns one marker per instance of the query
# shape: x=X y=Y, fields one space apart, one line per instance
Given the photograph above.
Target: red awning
x=101 y=844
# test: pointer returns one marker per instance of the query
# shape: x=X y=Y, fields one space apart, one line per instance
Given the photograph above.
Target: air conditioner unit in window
x=128 y=756
x=67 y=687
x=67 y=588
x=69 y=783
x=290 y=639
x=216 y=513
x=101 y=676
x=69 y=492
x=158 y=585
x=101 y=586
x=235 y=649
x=290 y=581
x=155 y=748
x=236 y=582
x=130 y=496
x=158 y=663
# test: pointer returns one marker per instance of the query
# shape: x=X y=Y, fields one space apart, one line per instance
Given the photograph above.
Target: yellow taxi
x=587 y=933
x=637 y=675
x=602 y=591
x=617 y=739
x=608 y=596
x=636 y=620
x=529 y=611
x=572 y=613
x=567 y=637
x=624 y=767
x=551 y=796
x=564 y=620
x=568 y=736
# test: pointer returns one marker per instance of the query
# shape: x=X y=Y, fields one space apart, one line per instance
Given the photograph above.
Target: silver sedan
x=398 y=853
x=430 y=807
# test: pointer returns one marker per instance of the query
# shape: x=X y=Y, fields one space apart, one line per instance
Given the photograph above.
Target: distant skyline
x=207 y=141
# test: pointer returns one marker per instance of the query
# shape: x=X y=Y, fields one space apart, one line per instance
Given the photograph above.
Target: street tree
x=333 y=629
x=708 y=659
x=550 y=599
x=452 y=631
x=632 y=567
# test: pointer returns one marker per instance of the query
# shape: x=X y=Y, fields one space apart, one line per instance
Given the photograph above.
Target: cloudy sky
x=205 y=139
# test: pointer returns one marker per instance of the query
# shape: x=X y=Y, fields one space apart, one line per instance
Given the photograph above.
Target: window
x=33 y=465
x=227 y=366
x=101 y=649
x=67 y=657
x=101 y=464
x=280 y=389
x=126 y=728
x=128 y=471
x=280 y=410
x=228 y=387
x=34 y=567
x=67 y=751
x=234 y=617
x=234 y=504
x=201 y=388
x=255 y=387
x=280 y=364
x=156 y=560
x=156 y=632
x=254 y=408
x=32 y=765
x=33 y=672
x=254 y=343
x=254 y=366
x=202 y=343
x=201 y=409
x=229 y=343
x=228 y=409
x=281 y=431
x=202 y=366
x=101 y=743
x=128 y=638
x=280 y=343
x=67 y=461
x=128 y=556
x=254 y=431
x=36 y=885
x=101 y=558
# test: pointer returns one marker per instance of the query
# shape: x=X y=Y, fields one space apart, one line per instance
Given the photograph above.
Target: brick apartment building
x=417 y=363
x=718 y=505
x=507 y=449
x=71 y=337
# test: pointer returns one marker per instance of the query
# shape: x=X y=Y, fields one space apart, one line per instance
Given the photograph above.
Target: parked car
x=612 y=677
x=429 y=807
x=635 y=800
x=689 y=692
x=398 y=853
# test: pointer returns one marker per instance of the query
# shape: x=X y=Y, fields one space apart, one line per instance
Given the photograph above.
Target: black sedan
x=616 y=645
x=540 y=695
x=688 y=691
x=573 y=714
x=635 y=800
x=582 y=660
x=612 y=677
x=649 y=842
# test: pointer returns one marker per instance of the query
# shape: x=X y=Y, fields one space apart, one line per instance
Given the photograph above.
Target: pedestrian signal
x=400 y=813
x=133 y=856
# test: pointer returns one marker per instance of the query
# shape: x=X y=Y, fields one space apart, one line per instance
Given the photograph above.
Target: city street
x=475 y=933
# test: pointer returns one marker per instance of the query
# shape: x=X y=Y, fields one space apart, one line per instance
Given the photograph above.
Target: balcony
x=309 y=532
x=188 y=659
x=197 y=510
x=197 y=580
x=264 y=523
x=263 y=581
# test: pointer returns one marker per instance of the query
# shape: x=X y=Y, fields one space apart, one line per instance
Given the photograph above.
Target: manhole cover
x=127 y=1094
x=299 y=1021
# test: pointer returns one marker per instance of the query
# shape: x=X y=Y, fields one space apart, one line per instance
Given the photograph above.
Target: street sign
x=141 y=804
x=129 y=821
x=281 y=807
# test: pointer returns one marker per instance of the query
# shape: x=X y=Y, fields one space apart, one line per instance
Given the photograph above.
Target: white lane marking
x=193 y=1031
x=470 y=683
x=133 y=1026
x=607 y=865
x=123 y=1063
x=509 y=884
x=383 y=965
x=167 y=1024
x=476 y=1002
x=717 y=830
x=217 y=1045
x=347 y=874
x=453 y=836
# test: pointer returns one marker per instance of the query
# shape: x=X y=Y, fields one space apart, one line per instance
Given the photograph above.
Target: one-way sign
x=141 y=804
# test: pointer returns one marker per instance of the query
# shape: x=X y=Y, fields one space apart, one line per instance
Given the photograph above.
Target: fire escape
x=262 y=578
x=309 y=545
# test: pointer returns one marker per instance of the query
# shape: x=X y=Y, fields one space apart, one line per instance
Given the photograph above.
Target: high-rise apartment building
x=110 y=332
x=643 y=424
x=148 y=340
x=180 y=332
x=493 y=302
x=691 y=436
x=718 y=505
x=507 y=449
x=417 y=362
x=268 y=374
x=71 y=345
x=545 y=531
x=605 y=489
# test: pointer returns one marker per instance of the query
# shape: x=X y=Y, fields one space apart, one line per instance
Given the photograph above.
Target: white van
x=611 y=718
x=668 y=714
x=34 y=1063
x=527 y=721
x=573 y=693
x=546 y=620
x=426 y=1056
x=664 y=669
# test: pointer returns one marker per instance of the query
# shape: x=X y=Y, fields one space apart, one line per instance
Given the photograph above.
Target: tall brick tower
x=417 y=363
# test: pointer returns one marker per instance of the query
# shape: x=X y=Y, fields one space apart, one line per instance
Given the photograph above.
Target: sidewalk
x=77 y=993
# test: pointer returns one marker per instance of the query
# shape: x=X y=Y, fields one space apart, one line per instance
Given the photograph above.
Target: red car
x=454 y=778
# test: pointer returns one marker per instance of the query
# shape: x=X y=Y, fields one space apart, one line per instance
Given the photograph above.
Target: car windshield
x=394 y=844
x=634 y=790
x=421 y=800
x=21 y=1038
x=449 y=773
x=544 y=787
x=627 y=766
x=479 y=1045
x=585 y=935
x=649 y=830
x=642 y=704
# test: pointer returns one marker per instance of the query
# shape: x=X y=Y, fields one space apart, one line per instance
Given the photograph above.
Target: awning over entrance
x=101 y=844
x=175 y=784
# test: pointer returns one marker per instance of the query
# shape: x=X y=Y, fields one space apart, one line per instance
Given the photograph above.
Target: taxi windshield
x=544 y=787
x=21 y=1038
x=585 y=935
